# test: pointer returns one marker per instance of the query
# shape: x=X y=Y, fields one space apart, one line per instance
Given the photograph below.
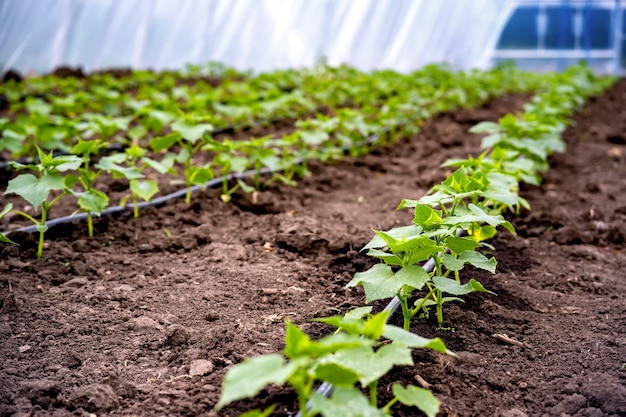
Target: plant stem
x=42 y=222
x=439 y=298
x=373 y=398
x=405 y=312
x=135 y=208
x=89 y=224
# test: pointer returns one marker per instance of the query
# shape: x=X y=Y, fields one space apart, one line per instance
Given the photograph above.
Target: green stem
x=439 y=299
x=406 y=313
x=188 y=195
x=44 y=215
x=373 y=397
x=135 y=208
x=390 y=404
x=421 y=305
x=89 y=224
x=28 y=216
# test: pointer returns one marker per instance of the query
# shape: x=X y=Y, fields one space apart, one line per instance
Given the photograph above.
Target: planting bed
x=138 y=322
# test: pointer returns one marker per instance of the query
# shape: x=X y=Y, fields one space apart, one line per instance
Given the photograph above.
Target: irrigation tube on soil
x=215 y=182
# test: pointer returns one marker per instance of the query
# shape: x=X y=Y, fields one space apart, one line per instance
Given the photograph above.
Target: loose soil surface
x=135 y=322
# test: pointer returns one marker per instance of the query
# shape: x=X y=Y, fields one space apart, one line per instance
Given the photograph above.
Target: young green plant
x=37 y=189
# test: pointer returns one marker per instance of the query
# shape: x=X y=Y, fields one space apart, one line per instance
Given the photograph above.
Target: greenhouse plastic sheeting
x=40 y=35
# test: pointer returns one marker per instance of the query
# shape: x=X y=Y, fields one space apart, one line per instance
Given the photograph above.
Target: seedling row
x=172 y=137
x=450 y=227
x=451 y=223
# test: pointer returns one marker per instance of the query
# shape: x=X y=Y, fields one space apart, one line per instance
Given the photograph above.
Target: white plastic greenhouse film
x=39 y=35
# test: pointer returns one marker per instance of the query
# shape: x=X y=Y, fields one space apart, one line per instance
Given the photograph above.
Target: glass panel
x=596 y=29
x=560 y=31
x=521 y=30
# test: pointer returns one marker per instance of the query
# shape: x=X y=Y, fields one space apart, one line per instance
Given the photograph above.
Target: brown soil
x=116 y=325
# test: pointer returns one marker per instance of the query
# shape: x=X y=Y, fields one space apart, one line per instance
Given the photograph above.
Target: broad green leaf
x=189 y=131
x=110 y=164
x=146 y=189
x=249 y=377
x=344 y=402
x=164 y=167
x=412 y=340
x=374 y=282
x=450 y=286
x=478 y=260
x=379 y=282
x=371 y=365
x=298 y=344
x=335 y=373
x=461 y=244
x=452 y=263
x=397 y=233
x=480 y=216
x=417 y=397
x=93 y=201
x=258 y=413
x=485 y=127
x=63 y=163
x=5 y=239
x=34 y=190
x=164 y=142
x=374 y=326
x=6 y=209
x=86 y=147
x=245 y=187
x=480 y=233
x=427 y=217
x=388 y=258
x=198 y=175
x=356 y=313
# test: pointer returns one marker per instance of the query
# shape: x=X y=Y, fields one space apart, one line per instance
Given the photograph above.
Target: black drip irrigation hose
x=214 y=183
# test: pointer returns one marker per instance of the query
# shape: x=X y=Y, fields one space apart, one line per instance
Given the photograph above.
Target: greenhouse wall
x=38 y=36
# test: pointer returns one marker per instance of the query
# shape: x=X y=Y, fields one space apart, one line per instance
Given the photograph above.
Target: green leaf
x=379 y=282
x=249 y=377
x=478 y=260
x=450 y=286
x=452 y=263
x=368 y=365
x=110 y=164
x=427 y=217
x=412 y=340
x=93 y=201
x=198 y=175
x=245 y=187
x=164 y=142
x=163 y=167
x=189 y=131
x=485 y=127
x=9 y=207
x=345 y=402
x=5 y=239
x=146 y=189
x=461 y=244
x=258 y=413
x=298 y=344
x=354 y=314
x=397 y=233
x=417 y=397
x=479 y=216
x=33 y=190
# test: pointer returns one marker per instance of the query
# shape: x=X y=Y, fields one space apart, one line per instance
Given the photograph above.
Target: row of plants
x=135 y=109
x=450 y=226
x=190 y=154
